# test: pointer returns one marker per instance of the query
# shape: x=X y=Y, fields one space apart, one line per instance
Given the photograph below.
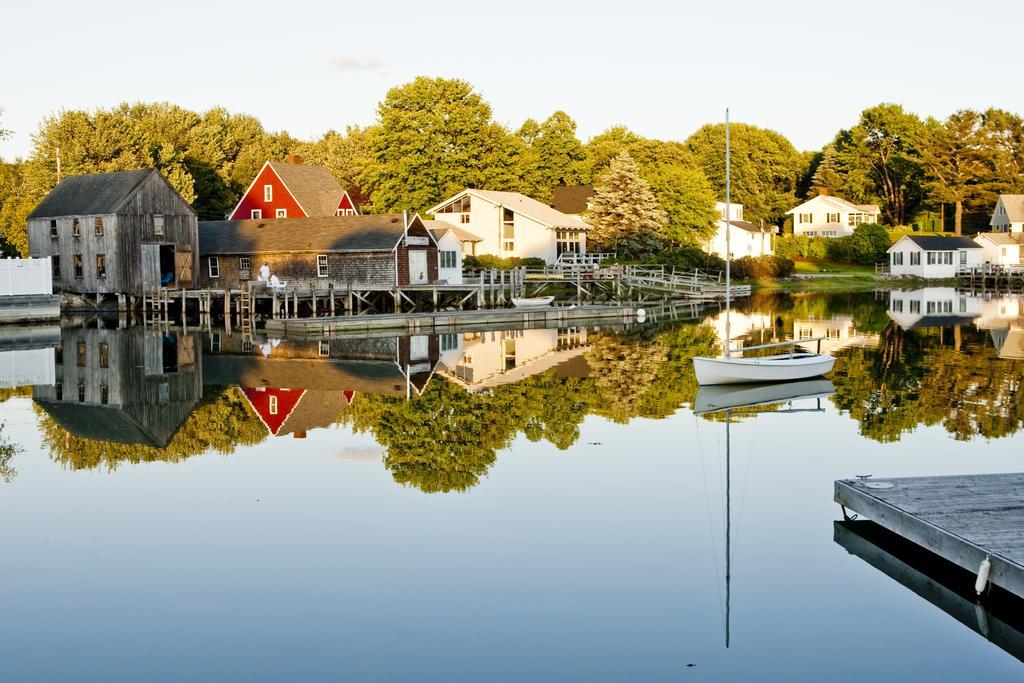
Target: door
x=150 y=267
x=417 y=266
x=183 y=264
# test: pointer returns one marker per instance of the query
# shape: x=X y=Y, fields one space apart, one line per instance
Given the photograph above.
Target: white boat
x=533 y=302
x=729 y=369
x=713 y=399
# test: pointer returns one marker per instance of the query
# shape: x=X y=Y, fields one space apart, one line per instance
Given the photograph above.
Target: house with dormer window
x=828 y=216
x=293 y=190
x=510 y=224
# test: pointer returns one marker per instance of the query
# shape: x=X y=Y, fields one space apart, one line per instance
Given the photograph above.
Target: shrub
x=762 y=267
x=869 y=243
x=839 y=249
x=685 y=257
x=801 y=246
x=492 y=261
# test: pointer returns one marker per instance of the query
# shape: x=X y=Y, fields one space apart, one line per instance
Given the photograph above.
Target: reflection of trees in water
x=446 y=439
x=221 y=422
x=952 y=378
x=7 y=449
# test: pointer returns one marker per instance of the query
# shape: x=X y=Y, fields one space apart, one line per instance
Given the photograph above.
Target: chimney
x=294 y=159
x=299 y=435
x=823 y=191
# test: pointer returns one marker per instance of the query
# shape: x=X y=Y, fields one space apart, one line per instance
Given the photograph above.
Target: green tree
x=827 y=177
x=688 y=200
x=869 y=243
x=554 y=156
x=1003 y=134
x=624 y=213
x=433 y=136
x=4 y=133
x=346 y=155
x=953 y=156
x=765 y=168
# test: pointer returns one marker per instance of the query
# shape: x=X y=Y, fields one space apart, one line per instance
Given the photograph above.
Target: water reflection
x=442 y=406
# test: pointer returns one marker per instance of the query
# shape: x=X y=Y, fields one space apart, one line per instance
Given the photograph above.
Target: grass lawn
x=810 y=267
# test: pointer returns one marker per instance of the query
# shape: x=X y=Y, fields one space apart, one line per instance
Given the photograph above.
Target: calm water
x=507 y=505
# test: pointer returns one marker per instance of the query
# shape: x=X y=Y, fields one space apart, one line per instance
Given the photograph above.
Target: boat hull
x=718 y=397
x=533 y=302
x=761 y=370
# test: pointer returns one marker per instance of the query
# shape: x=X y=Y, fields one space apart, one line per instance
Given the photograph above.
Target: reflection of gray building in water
x=130 y=386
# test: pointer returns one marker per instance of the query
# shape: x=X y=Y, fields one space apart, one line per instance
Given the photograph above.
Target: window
x=947 y=258
x=79 y=272
x=246 y=346
x=53 y=229
x=273 y=405
x=281 y=213
x=897 y=258
x=321 y=265
x=55 y=266
x=915 y=258
x=76 y=228
x=58 y=391
x=244 y=268
x=931 y=307
x=158 y=225
x=101 y=265
x=464 y=218
x=164 y=393
x=449 y=341
x=80 y=352
x=256 y=214
x=449 y=259
x=104 y=355
x=831 y=217
x=268 y=193
x=508 y=230
x=104 y=394
x=897 y=306
x=811 y=233
x=215 y=342
x=324 y=348
x=81 y=393
x=1002 y=251
x=345 y=212
x=915 y=306
x=947 y=306
x=807 y=218
x=963 y=258
x=99 y=227
x=214 y=266
x=460 y=205
x=567 y=242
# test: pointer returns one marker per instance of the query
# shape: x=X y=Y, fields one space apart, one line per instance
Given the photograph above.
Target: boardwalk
x=963 y=519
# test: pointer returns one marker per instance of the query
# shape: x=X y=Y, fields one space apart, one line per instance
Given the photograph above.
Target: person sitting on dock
x=264 y=272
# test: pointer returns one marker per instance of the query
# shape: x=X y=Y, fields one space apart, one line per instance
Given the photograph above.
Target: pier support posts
x=331 y=294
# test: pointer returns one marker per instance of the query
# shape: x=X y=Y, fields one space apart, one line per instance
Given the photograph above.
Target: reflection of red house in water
x=295 y=411
x=293 y=190
x=273 y=405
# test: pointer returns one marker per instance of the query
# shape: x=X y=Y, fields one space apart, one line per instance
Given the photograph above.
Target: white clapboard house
x=745 y=238
x=828 y=216
x=933 y=256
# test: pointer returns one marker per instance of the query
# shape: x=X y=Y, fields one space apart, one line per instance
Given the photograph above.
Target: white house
x=453 y=244
x=839 y=332
x=933 y=256
x=512 y=224
x=828 y=216
x=933 y=307
x=1008 y=215
x=745 y=239
x=1001 y=248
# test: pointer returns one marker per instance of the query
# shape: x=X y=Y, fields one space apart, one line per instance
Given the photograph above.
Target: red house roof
x=294 y=190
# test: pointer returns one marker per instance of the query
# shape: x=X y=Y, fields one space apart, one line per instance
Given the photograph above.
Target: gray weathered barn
x=127 y=232
x=367 y=253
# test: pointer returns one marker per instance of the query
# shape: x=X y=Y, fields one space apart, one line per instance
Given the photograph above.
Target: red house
x=293 y=190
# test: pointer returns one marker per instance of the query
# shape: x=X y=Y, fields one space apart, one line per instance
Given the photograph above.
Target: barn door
x=150 y=267
x=417 y=266
x=183 y=264
x=186 y=350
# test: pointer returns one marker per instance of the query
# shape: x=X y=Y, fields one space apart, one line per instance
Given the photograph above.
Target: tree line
x=434 y=137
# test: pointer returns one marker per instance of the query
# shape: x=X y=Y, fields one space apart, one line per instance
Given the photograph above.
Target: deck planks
x=962 y=518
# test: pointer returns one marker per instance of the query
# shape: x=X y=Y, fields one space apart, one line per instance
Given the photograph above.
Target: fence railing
x=19 y=276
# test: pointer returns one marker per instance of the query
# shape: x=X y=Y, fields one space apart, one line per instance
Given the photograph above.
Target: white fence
x=25 y=276
x=27 y=366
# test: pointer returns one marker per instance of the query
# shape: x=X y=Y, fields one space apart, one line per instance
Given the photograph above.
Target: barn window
x=244 y=268
x=163 y=393
x=158 y=225
x=324 y=348
x=101 y=265
x=78 y=266
x=99 y=227
x=508 y=230
x=58 y=391
x=345 y=212
x=268 y=193
x=281 y=213
x=215 y=342
x=55 y=266
x=273 y=405
x=448 y=259
x=214 y=266
x=321 y=265
x=76 y=227
x=81 y=393
x=256 y=214
x=104 y=355
x=464 y=218
x=246 y=346
x=53 y=229
x=80 y=352
x=104 y=394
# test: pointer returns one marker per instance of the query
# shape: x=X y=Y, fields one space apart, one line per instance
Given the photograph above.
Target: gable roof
x=571 y=199
x=1001 y=237
x=939 y=242
x=314 y=188
x=837 y=203
x=520 y=203
x=441 y=228
x=324 y=233
x=745 y=225
x=1014 y=205
x=95 y=193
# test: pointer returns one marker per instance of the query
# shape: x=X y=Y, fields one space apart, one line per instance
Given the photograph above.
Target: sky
x=805 y=69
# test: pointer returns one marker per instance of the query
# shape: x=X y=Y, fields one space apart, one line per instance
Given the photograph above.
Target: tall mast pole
x=728 y=524
x=728 y=247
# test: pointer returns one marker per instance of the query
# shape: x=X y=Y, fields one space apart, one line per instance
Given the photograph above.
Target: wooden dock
x=991 y=278
x=963 y=519
x=421 y=323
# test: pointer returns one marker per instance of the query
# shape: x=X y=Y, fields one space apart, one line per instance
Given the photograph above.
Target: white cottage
x=933 y=256
x=828 y=216
x=745 y=238
x=932 y=307
x=1001 y=248
x=1008 y=215
x=510 y=224
x=453 y=245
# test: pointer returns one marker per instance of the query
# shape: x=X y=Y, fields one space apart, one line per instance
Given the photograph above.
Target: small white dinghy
x=785 y=367
x=533 y=302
